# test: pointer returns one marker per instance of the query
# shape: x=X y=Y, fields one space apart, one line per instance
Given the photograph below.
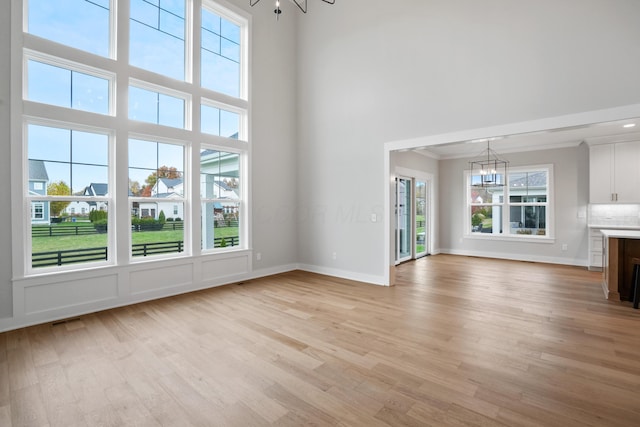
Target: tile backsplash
x=614 y=215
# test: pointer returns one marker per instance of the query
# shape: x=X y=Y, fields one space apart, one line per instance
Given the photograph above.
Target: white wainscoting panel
x=231 y=265
x=63 y=295
x=154 y=279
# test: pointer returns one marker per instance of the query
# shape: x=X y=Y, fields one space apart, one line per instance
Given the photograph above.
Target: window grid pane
x=67 y=88
x=157 y=37
x=75 y=162
x=220 y=122
x=69 y=238
x=81 y=24
x=155 y=107
x=220 y=54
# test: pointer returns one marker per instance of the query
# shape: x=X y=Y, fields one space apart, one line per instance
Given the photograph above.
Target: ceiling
x=598 y=133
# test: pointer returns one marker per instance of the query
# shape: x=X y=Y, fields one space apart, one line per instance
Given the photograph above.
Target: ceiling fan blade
x=302 y=5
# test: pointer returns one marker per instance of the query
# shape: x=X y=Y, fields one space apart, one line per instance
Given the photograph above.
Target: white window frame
x=549 y=237
x=54 y=61
x=186 y=119
x=120 y=74
x=241 y=112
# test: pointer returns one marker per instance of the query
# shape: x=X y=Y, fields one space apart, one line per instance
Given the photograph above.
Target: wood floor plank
x=27 y=408
x=22 y=373
x=459 y=341
x=5 y=414
x=58 y=399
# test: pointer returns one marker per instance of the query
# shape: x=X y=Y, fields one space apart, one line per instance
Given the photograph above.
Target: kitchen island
x=619 y=248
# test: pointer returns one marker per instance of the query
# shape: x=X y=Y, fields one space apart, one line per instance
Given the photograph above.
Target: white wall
x=571 y=196
x=273 y=136
x=371 y=72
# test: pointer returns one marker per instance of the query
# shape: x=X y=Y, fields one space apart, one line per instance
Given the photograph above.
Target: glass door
x=404 y=220
x=422 y=238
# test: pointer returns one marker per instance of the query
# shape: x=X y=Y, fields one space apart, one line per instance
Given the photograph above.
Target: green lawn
x=61 y=243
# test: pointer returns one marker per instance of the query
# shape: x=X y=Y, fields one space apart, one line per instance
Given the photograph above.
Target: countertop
x=621 y=234
x=615 y=227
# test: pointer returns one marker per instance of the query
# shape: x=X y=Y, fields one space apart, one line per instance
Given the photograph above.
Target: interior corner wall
x=369 y=73
x=6 y=295
x=273 y=138
x=570 y=195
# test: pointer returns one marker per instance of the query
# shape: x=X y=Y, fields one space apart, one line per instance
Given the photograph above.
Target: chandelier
x=302 y=5
x=487 y=169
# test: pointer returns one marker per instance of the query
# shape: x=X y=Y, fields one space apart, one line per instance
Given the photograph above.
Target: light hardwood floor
x=459 y=341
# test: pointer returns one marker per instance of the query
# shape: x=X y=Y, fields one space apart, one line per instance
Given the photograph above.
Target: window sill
x=511 y=238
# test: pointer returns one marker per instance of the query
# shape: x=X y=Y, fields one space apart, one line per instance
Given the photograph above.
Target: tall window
x=75 y=131
x=521 y=208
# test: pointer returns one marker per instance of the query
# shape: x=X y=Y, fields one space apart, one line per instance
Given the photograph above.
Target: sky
x=157 y=44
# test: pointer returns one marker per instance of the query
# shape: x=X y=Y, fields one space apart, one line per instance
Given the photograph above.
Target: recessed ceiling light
x=629 y=125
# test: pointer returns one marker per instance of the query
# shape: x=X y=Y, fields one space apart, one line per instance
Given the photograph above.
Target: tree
x=59 y=188
x=134 y=187
x=162 y=172
x=476 y=219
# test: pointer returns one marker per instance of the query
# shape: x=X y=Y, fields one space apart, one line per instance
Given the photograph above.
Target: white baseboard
x=343 y=274
x=518 y=257
x=271 y=271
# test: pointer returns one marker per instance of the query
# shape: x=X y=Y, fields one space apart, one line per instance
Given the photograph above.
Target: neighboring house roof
x=171 y=182
x=205 y=153
x=37 y=171
x=97 y=189
x=224 y=186
x=536 y=179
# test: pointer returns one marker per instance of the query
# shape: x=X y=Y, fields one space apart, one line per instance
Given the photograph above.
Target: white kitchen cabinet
x=595 y=249
x=614 y=175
